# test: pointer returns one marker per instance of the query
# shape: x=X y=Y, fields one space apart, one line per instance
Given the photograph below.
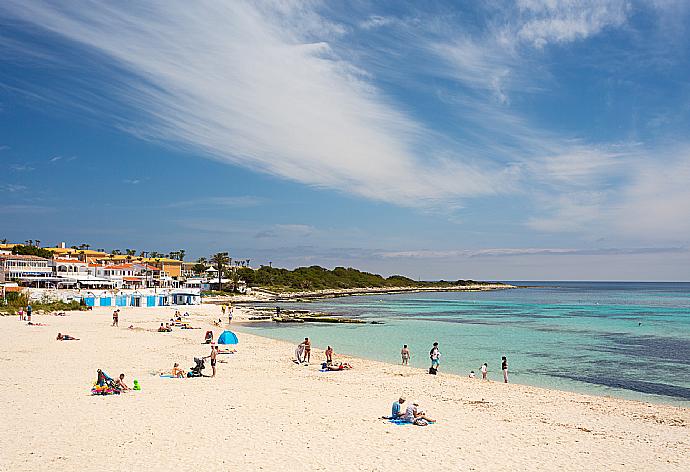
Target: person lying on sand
x=66 y=337
x=35 y=324
x=414 y=415
x=341 y=366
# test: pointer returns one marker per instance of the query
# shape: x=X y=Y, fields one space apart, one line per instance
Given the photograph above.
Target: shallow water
x=629 y=340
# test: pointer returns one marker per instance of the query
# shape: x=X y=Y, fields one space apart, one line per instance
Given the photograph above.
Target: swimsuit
x=213 y=362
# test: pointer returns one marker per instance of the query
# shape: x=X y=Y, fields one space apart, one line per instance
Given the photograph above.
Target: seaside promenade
x=263 y=412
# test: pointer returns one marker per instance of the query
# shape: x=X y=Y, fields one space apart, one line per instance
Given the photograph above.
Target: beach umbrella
x=228 y=337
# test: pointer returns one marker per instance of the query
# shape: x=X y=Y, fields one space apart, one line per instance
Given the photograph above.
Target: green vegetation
x=16 y=300
x=32 y=251
x=318 y=278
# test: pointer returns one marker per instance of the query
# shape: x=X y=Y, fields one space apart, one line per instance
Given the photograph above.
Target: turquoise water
x=629 y=340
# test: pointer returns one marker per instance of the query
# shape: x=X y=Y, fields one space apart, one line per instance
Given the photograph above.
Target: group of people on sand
x=25 y=313
x=411 y=414
x=230 y=309
x=303 y=356
x=435 y=357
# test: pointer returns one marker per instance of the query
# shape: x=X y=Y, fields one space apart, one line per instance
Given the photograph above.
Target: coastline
x=264 y=411
x=264 y=295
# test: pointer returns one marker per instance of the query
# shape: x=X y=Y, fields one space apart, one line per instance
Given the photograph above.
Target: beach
x=264 y=412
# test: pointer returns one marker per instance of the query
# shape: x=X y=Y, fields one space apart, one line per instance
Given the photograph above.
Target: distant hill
x=319 y=278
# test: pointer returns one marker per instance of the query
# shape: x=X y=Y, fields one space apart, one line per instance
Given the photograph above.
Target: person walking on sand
x=230 y=313
x=329 y=355
x=435 y=356
x=307 y=350
x=484 y=370
x=405 y=354
x=116 y=318
x=222 y=307
x=504 y=368
x=213 y=355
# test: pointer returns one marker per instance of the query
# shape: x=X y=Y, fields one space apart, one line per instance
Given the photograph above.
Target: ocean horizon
x=624 y=339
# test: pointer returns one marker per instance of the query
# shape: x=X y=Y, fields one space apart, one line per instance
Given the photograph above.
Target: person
x=307 y=350
x=116 y=318
x=120 y=383
x=213 y=355
x=435 y=356
x=230 y=313
x=405 y=354
x=299 y=352
x=177 y=372
x=168 y=328
x=504 y=368
x=341 y=366
x=21 y=314
x=414 y=415
x=161 y=328
x=66 y=337
x=28 y=312
x=472 y=375
x=396 y=409
x=484 y=369
x=222 y=308
x=329 y=355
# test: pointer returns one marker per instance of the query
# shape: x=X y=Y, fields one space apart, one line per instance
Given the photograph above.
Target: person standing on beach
x=329 y=355
x=28 y=312
x=213 y=355
x=307 y=350
x=230 y=312
x=222 y=307
x=504 y=368
x=116 y=318
x=484 y=370
x=405 y=354
x=435 y=356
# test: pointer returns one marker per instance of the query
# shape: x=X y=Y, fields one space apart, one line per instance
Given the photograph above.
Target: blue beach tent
x=228 y=337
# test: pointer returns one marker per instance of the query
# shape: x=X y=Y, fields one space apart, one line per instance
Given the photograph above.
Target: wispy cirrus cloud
x=508 y=252
x=12 y=188
x=264 y=90
x=240 y=201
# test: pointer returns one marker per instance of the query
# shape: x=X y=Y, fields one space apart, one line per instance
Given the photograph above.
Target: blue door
x=105 y=301
x=89 y=301
x=121 y=300
x=151 y=300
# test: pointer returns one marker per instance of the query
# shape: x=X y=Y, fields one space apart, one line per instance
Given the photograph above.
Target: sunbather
x=177 y=372
x=341 y=366
x=120 y=383
x=416 y=416
x=66 y=337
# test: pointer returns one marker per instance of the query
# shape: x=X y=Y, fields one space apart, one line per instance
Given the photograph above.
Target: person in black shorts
x=213 y=355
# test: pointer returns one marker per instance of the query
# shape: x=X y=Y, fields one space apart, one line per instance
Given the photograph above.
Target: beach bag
x=432 y=370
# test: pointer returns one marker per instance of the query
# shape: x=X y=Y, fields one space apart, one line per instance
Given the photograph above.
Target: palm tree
x=130 y=252
x=201 y=260
x=220 y=259
x=29 y=242
x=181 y=252
x=38 y=243
x=87 y=246
x=3 y=241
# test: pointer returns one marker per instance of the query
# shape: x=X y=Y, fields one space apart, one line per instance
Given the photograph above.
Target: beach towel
x=299 y=352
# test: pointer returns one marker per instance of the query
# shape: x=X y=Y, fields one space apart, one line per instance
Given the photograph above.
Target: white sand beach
x=264 y=412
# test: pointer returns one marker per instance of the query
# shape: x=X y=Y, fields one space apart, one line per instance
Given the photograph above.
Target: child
x=484 y=369
x=405 y=354
x=472 y=376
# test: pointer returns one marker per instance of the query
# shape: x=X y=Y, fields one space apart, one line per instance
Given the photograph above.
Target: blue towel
x=399 y=422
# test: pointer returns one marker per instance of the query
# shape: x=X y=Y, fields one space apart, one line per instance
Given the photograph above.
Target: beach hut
x=228 y=337
x=150 y=300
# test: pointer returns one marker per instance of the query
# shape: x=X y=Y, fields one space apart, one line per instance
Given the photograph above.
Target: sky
x=495 y=140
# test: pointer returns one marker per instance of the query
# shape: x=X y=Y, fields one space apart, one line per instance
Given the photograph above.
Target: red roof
x=132 y=279
x=69 y=261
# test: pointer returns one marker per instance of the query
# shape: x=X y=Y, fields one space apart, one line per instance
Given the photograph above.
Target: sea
x=621 y=339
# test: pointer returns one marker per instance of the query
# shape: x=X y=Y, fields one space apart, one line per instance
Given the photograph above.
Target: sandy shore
x=263 y=411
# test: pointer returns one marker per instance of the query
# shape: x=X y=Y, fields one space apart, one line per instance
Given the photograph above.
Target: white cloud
x=230 y=201
x=248 y=86
x=13 y=187
x=562 y=21
x=132 y=181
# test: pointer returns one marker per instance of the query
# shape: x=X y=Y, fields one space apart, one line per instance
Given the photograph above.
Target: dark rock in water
x=376 y=322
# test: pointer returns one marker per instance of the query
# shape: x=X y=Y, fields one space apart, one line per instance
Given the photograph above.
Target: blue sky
x=527 y=139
